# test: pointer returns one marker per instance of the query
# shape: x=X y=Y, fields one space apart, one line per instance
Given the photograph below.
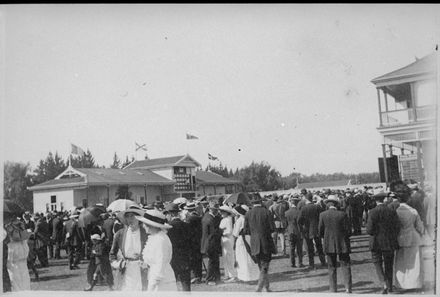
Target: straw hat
x=227 y=209
x=132 y=209
x=95 y=237
x=154 y=218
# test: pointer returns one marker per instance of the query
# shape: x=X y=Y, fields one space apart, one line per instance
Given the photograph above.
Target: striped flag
x=211 y=157
x=76 y=150
x=189 y=136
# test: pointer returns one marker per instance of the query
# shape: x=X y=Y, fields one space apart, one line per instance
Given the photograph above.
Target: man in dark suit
x=294 y=232
x=42 y=239
x=383 y=226
x=334 y=227
x=180 y=239
x=73 y=240
x=259 y=224
x=107 y=227
x=356 y=211
x=57 y=234
x=308 y=220
x=195 y=226
x=211 y=243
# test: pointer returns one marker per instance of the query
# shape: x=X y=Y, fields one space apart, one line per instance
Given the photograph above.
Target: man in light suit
x=383 y=226
x=334 y=227
x=259 y=224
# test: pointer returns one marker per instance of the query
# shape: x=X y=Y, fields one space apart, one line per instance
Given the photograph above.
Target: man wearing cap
x=195 y=226
x=179 y=236
x=334 y=227
x=383 y=226
x=211 y=243
x=130 y=240
x=73 y=240
x=259 y=225
x=308 y=220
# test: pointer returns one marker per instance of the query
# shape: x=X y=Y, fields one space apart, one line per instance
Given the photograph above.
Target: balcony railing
x=408 y=116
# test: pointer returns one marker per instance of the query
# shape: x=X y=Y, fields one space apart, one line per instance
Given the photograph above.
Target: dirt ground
x=283 y=278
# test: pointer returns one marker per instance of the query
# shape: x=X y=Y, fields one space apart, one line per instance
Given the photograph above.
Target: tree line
x=258 y=176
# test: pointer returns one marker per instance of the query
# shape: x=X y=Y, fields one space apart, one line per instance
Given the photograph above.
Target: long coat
x=119 y=242
x=292 y=216
x=71 y=228
x=309 y=219
x=259 y=224
x=57 y=229
x=334 y=226
x=211 y=236
x=383 y=225
x=180 y=240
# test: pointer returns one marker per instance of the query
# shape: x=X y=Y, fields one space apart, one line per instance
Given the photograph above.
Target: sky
x=288 y=84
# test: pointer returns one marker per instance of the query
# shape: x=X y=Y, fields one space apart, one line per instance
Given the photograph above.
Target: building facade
x=407 y=101
x=88 y=186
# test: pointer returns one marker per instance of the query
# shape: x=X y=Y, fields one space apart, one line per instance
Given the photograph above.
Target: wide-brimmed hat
x=189 y=206
x=132 y=209
x=154 y=218
x=74 y=214
x=95 y=237
x=227 y=209
x=172 y=207
x=241 y=210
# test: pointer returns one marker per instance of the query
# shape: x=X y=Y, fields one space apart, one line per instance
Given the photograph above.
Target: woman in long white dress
x=407 y=260
x=247 y=269
x=18 y=251
x=158 y=252
x=228 y=254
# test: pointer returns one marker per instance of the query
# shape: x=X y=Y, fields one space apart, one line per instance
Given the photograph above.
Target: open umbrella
x=238 y=198
x=11 y=209
x=120 y=205
x=90 y=215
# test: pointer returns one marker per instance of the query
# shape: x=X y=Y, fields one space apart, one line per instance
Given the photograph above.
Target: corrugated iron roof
x=160 y=162
x=107 y=176
x=425 y=65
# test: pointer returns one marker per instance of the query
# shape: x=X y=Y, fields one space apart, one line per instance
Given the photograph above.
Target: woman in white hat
x=129 y=242
x=158 y=252
x=228 y=244
x=247 y=269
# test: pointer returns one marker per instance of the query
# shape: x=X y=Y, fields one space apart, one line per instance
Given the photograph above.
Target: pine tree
x=116 y=162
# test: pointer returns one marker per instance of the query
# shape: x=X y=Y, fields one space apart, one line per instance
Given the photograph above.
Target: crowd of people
x=155 y=247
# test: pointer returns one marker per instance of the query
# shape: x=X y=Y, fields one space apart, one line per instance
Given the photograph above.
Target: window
x=142 y=200
x=53 y=203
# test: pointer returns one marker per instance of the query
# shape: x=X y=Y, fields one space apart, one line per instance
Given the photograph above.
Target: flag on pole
x=189 y=136
x=211 y=157
x=140 y=147
x=76 y=150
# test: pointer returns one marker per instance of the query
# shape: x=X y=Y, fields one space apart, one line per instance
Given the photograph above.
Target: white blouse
x=226 y=226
